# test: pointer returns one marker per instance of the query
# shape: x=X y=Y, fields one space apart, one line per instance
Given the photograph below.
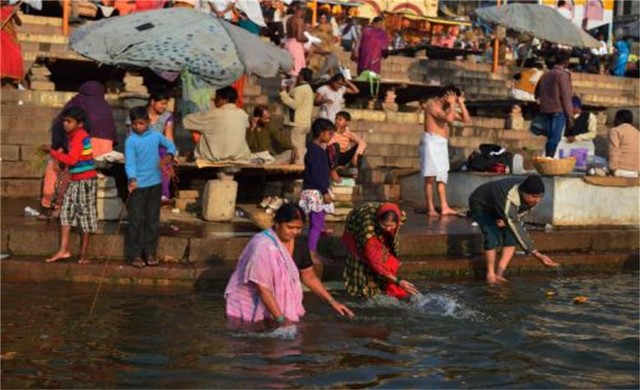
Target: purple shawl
x=374 y=41
x=90 y=98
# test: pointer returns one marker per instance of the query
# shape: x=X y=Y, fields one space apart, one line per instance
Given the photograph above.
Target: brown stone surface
x=172 y=249
x=216 y=250
x=9 y=152
x=21 y=170
x=19 y=188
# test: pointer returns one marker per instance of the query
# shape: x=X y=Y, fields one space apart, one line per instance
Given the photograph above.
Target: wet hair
x=389 y=216
x=320 y=125
x=345 y=115
x=75 y=113
x=337 y=77
x=227 y=93
x=377 y=19
x=623 y=116
x=306 y=74
x=449 y=88
x=289 y=212
x=159 y=95
x=139 y=113
x=259 y=111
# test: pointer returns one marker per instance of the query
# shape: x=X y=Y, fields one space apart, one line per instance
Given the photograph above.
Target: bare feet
x=501 y=279
x=83 y=260
x=447 y=212
x=491 y=278
x=58 y=256
x=432 y=213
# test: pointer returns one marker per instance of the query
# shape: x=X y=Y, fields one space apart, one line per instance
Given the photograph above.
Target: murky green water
x=458 y=335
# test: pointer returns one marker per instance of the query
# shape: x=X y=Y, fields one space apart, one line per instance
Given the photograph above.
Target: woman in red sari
x=371 y=240
x=11 y=67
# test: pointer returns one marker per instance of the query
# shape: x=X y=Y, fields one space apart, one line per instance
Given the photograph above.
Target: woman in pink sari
x=372 y=45
x=265 y=287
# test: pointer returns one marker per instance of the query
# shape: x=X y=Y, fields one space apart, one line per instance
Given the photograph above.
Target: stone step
x=43 y=38
x=40 y=20
x=20 y=188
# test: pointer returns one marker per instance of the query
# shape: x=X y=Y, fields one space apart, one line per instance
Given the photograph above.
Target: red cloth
x=377 y=256
x=80 y=154
x=11 y=65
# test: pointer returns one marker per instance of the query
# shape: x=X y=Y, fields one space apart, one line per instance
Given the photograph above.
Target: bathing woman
x=265 y=286
x=371 y=239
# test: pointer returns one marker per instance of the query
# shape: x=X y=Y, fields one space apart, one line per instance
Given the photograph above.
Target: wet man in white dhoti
x=439 y=113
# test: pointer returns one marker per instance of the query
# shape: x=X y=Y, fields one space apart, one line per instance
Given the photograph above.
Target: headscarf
x=90 y=98
x=364 y=223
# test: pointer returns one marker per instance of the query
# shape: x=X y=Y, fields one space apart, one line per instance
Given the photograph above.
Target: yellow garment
x=300 y=101
x=316 y=59
x=528 y=80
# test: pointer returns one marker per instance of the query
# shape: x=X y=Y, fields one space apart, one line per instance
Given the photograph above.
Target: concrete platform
x=568 y=201
x=204 y=254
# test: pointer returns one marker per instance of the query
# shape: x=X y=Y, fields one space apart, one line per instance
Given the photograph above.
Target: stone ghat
x=194 y=261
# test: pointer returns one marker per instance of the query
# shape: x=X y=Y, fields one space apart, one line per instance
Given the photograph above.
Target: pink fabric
x=267 y=263
x=296 y=49
x=51 y=173
x=101 y=146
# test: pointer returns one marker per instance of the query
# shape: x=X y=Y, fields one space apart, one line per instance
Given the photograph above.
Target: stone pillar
x=219 y=200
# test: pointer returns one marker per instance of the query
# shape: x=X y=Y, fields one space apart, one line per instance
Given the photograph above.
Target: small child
x=79 y=204
x=315 y=198
x=345 y=147
x=143 y=167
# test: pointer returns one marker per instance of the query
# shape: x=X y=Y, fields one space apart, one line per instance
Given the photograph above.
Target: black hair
x=138 y=113
x=532 y=185
x=159 y=95
x=337 y=77
x=345 y=115
x=449 y=88
x=623 y=116
x=289 y=212
x=562 y=3
x=259 y=111
x=75 y=113
x=562 y=58
x=227 y=93
x=306 y=74
x=320 y=125
x=377 y=19
x=388 y=216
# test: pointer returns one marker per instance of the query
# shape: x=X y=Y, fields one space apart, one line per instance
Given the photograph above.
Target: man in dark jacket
x=497 y=207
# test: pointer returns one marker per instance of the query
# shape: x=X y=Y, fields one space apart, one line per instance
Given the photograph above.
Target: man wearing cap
x=497 y=207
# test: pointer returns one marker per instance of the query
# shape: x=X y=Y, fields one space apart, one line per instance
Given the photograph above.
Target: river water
x=527 y=334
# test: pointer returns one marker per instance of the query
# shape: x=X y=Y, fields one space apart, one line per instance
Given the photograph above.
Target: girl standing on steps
x=315 y=198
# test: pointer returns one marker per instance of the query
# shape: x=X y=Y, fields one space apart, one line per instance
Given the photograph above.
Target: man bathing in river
x=434 y=146
x=497 y=207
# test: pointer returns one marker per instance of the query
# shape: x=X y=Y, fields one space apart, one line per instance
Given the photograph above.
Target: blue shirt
x=142 y=160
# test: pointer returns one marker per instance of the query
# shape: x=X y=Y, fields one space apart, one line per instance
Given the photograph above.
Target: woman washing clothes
x=265 y=287
x=371 y=240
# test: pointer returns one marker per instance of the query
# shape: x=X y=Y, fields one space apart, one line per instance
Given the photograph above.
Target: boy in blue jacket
x=143 y=167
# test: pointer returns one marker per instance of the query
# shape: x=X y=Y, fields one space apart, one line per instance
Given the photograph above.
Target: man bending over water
x=497 y=207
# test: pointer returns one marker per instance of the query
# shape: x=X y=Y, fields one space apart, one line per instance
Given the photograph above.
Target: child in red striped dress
x=79 y=204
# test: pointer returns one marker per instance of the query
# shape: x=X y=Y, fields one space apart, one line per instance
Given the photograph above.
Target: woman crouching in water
x=371 y=239
x=265 y=286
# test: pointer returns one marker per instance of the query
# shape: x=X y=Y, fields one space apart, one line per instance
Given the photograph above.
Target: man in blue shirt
x=143 y=167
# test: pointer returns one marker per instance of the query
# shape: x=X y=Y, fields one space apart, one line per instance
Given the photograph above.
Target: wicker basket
x=554 y=167
x=261 y=219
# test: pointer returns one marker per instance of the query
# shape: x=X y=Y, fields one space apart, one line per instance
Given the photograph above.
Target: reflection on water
x=455 y=335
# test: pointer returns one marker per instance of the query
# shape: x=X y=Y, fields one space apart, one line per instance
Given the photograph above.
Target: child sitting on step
x=345 y=148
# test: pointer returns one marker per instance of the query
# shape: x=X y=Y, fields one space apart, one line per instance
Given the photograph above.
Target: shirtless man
x=296 y=39
x=439 y=113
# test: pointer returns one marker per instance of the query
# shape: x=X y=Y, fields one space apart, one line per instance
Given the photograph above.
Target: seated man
x=525 y=83
x=220 y=134
x=579 y=136
x=263 y=137
x=345 y=147
x=624 y=146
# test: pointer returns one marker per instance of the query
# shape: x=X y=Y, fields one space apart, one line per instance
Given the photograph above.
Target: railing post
x=66 y=8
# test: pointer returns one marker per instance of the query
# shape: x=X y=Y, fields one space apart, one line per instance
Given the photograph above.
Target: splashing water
x=560 y=272
x=429 y=304
x=287 y=333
